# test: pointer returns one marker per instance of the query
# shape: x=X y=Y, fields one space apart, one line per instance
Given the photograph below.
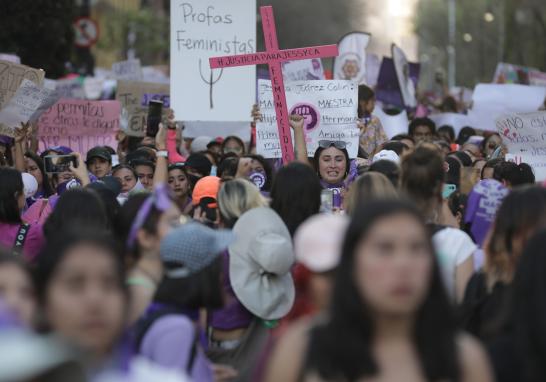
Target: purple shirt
x=169 y=341
x=33 y=243
x=233 y=315
x=482 y=205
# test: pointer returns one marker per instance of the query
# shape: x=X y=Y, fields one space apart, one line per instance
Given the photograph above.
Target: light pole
x=452 y=55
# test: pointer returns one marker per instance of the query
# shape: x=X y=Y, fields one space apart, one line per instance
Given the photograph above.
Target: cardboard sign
x=492 y=101
x=201 y=29
x=28 y=103
x=303 y=70
x=11 y=76
x=80 y=125
x=537 y=163
x=134 y=97
x=129 y=70
x=329 y=108
x=351 y=64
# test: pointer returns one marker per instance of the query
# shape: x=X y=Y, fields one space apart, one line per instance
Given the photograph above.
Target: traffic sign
x=86 y=32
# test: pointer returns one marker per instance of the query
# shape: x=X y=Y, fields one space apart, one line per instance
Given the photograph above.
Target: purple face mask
x=160 y=199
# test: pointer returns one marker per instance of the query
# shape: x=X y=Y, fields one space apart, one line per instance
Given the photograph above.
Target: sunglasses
x=160 y=199
x=340 y=145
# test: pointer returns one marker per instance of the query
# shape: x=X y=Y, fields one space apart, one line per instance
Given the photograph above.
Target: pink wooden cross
x=273 y=56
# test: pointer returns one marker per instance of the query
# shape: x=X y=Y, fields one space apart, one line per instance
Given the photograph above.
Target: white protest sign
x=10 y=57
x=92 y=87
x=217 y=129
x=129 y=70
x=373 y=66
x=329 y=108
x=201 y=29
x=303 y=70
x=28 y=102
x=351 y=62
x=537 y=163
x=70 y=88
x=491 y=101
x=524 y=133
x=455 y=120
x=392 y=124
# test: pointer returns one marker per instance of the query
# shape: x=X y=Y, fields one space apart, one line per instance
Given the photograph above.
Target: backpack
x=146 y=322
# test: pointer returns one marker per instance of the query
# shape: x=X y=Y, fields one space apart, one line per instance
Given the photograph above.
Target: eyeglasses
x=159 y=199
x=324 y=144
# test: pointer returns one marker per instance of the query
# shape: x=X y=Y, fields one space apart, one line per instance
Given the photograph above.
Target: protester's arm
x=300 y=147
x=161 y=172
x=463 y=272
x=32 y=136
x=80 y=171
x=475 y=362
x=19 y=158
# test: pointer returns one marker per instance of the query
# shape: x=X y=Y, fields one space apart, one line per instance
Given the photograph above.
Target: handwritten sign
x=524 y=133
x=26 y=105
x=201 y=29
x=11 y=76
x=129 y=70
x=273 y=57
x=303 y=70
x=134 y=98
x=70 y=88
x=79 y=124
x=329 y=109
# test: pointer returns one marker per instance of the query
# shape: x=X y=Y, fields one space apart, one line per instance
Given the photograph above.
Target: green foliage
x=38 y=31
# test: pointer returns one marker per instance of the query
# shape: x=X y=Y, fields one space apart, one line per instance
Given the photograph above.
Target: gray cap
x=194 y=246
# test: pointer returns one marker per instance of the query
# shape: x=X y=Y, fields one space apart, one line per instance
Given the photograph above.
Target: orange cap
x=206 y=187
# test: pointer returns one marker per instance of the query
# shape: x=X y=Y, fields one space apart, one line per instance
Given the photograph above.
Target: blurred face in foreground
x=85 y=302
x=394 y=266
x=17 y=292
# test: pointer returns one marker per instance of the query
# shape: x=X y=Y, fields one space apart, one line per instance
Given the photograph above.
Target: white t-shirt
x=453 y=247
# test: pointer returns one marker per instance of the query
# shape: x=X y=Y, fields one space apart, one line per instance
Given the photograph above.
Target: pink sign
x=274 y=57
x=79 y=124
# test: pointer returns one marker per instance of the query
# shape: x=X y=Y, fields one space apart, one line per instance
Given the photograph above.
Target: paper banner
x=217 y=129
x=388 y=89
x=129 y=70
x=79 y=125
x=351 y=64
x=492 y=101
x=303 y=70
x=329 y=108
x=28 y=103
x=457 y=121
x=201 y=29
x=134 y=97
x=392 y=124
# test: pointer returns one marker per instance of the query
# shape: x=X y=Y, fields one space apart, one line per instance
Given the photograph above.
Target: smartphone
x=155 y=111
x=326 y=200
x=448 y=190
x=59 y=163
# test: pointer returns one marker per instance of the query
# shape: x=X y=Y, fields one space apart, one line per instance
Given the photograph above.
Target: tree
x=40 y=32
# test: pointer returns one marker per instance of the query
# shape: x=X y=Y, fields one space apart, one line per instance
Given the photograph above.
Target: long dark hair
x=319 y=151
x=46 y=184
x=76 y=208
x=529 y=308
x=365 y=94
x=200 y=290
x=295 y=194
x=11 y=187
x=341 y=348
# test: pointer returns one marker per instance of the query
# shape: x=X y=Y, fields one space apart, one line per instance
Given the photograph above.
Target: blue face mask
x=258 y=178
